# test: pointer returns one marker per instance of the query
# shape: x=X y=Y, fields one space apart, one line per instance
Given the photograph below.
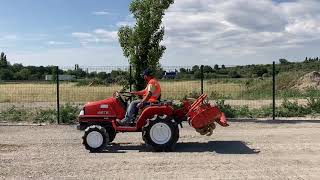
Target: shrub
x=292 y=109
x=69 y=113
x=243 y=112
x=226 y=108
x=263 y=112
x=42 y=116
x=314 y=104
x=14 y=114
x=194 y=94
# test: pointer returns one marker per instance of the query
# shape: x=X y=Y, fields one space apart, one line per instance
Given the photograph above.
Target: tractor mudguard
x=150 y=111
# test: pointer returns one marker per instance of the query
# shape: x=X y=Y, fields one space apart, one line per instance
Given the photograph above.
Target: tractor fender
x=149 y=113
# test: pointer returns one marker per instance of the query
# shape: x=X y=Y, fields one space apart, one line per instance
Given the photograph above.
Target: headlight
x=81 y=112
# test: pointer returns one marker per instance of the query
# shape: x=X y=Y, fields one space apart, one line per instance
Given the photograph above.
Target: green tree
x=54 y=73
x=3 y=60
x=6 y=74
x=195 y=69
x=207 y=69
x=260 y=70
x=216 y=67
x=223 y=66
x=284 y=61
x=141 y=43
x=234 y=74
x=23 y=74
x=183 y=71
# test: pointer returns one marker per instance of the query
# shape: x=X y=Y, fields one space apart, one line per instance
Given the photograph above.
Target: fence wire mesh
x=238 y=94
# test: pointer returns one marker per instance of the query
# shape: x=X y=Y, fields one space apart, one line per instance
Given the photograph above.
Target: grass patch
x=68 y=114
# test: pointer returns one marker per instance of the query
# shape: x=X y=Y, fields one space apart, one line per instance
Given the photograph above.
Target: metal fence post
x=58 y=94
x=202 y=76
x=274 y=91
x=130 y=78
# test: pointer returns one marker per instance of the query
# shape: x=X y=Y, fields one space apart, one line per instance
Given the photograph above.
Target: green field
x=230 y=89
x=70 y=92
x=243 y=98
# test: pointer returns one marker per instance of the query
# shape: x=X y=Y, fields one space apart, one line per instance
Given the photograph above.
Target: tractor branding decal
x=103 y=112
x=104 y=106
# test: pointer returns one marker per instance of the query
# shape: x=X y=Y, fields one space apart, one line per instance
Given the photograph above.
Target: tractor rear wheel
x=161 y=133
x=95 y=138
x=111 y=132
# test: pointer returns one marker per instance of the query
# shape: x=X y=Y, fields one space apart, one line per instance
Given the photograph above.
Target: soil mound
x=309 y=81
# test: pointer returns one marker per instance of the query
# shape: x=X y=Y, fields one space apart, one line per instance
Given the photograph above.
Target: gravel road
x=245 y=150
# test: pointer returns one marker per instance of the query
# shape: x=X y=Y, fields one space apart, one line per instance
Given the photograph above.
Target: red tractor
x=158 y=122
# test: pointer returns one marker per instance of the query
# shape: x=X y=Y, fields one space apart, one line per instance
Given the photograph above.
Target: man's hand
x=140 y=105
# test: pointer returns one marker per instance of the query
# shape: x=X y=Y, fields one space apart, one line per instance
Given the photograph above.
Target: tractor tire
x=95 y=138
x=161 y=133
x=111 y=132
x=82 y=126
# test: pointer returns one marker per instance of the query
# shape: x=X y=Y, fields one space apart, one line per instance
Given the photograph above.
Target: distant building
x=61 y=77
x=170 y=75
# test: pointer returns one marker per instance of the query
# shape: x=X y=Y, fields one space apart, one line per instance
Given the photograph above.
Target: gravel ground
x=245 y=150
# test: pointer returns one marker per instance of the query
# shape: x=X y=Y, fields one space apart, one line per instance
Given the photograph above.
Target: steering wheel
x=127 y=95
x=123 y=96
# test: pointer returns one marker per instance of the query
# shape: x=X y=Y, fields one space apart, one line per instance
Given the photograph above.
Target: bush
x=194 y=94
x=14 y=114
x=243 y=112
x=226 y=108
x=314 y=104
x=266 y=111
x=69 y=113
x=292 y=109
x=42 y=116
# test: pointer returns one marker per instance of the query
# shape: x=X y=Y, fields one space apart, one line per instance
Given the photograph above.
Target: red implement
x=202 y=116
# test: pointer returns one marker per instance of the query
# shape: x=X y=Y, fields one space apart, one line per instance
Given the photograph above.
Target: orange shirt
x=153 y=87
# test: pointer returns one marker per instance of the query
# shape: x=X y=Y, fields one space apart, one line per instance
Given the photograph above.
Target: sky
x=230 y=32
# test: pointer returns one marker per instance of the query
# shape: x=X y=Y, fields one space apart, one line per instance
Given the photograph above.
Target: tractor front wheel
x=161 y=133
x=95 y=138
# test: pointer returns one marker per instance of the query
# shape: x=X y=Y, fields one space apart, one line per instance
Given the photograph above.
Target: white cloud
x=239 y=31
x=101 y=13
x=84 y=56
x=97 y=36
x=209 y=32
x=57 y=43
x=129 y=21
x=10 y=37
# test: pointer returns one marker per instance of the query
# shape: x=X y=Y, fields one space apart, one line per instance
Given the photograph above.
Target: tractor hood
x=105 y=108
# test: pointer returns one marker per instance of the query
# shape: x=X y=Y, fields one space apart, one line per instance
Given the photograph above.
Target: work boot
x=122 y=122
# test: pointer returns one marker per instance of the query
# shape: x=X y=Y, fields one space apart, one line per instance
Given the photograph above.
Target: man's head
x=147 y=74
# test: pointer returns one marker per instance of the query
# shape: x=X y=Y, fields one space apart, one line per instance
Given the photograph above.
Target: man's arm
x=150 y=89
x=139 y=93
x=144 y=100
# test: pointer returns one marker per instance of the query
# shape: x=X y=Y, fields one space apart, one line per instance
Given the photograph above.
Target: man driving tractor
x=150 y=94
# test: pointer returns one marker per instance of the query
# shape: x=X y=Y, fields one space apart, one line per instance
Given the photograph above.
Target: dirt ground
x=245 y=150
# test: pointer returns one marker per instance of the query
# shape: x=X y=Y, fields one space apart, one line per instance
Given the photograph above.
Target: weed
x=42 y=116
x=69 y=113
x=226 y=108
x=14 y=114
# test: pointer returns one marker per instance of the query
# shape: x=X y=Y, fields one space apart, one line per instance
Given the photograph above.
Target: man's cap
x=147 y=72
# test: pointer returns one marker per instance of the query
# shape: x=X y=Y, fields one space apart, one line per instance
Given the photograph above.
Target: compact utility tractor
x=158 y=122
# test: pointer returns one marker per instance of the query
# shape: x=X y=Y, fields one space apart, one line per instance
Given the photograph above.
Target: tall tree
x=216 y=67
x=3 y=60
x=141 y=43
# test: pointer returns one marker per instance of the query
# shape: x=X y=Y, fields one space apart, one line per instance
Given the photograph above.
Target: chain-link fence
x=269 y=91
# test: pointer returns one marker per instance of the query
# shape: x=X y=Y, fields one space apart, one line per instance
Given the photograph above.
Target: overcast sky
x=231 y=32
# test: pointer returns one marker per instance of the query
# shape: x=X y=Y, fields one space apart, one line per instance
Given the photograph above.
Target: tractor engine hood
x=105 y=108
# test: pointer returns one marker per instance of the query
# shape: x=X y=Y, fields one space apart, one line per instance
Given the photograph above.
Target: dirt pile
x=309 y=81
